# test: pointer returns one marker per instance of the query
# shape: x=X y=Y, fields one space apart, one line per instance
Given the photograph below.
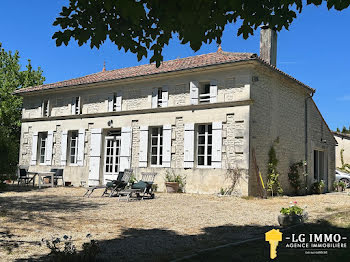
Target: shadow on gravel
x=165 y=245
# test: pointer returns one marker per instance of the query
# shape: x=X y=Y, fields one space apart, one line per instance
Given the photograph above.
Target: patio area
x=161 y=229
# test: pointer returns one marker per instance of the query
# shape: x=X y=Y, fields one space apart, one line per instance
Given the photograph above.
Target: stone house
x=199 y=116
x=343 y=141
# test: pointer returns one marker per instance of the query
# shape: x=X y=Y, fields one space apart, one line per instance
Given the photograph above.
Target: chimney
x=268 y=44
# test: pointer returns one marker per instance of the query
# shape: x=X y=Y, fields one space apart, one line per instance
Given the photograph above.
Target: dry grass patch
x=171 y=223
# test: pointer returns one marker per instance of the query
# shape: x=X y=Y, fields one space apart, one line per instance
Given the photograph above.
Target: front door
x=112 y=158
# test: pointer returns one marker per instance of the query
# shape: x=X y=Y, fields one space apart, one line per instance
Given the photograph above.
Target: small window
x=156 y=146
x=160 y=97
x=204 y=145
x=204 y=92
x=42 y=147
x=73 y=147
x=114 y=102
x=77 y=109
x=45 y=108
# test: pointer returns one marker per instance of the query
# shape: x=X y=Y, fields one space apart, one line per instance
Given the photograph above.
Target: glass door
x=112 y=158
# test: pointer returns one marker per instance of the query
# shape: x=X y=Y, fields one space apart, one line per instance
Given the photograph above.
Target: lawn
x=166 y=228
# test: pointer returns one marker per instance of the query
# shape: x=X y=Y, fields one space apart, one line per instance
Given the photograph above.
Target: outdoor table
x=41 y=175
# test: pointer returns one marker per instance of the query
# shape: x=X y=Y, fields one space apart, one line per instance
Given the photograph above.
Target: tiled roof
x=342 y=135
x=192 y=62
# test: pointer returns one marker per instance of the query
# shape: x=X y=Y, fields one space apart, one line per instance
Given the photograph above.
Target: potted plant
x=318 y=187
x=292 y=215
x=174 y=183
x=339 y=186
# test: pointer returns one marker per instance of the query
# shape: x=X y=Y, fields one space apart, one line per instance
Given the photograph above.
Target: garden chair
x=113 y=186
x=58 y=175
x=24 y=177
x=145 y=185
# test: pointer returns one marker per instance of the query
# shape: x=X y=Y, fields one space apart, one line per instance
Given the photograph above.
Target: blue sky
x=315 y=50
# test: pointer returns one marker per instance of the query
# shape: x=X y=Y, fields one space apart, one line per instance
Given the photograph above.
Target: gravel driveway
x=161 y=229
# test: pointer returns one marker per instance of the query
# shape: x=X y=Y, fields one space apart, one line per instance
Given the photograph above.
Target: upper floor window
x=76 y=105
x=156 y=147
x=42 y=146
x=160 y=97
x=204 y=92
x=45 y=108
x=204 y=145
x=73 y=147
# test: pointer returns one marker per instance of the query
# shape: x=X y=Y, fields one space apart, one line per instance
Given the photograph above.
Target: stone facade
x=343 y=144
x=252 y=114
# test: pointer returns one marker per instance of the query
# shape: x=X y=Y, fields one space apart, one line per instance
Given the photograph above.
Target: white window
x=115 y=105
x=204 y=92
x=160 y=97
x=156 y=148
x=45 y=108
x=73 y=147
x=42 y=147
x=204 y=145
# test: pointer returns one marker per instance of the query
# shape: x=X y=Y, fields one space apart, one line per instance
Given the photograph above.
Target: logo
x=273 y=237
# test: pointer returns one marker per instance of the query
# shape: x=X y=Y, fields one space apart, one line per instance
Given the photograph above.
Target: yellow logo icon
x=273 y=237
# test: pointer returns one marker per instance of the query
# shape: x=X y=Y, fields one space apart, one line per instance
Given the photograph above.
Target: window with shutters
x=204 y=144
x=156 y=147
x=73 y=147
x=77 y=106
x=160 y=97
x=204 y=92
x=42 y=144
x=45 y=108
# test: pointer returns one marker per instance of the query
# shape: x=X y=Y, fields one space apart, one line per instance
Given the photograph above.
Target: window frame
x=45 y=108
x=159 y=145
x=70 y=136
x=204 y=97
x=42 y=138
x=208 y=133
x=160 y=97
x=319 y=166
x=77 y=109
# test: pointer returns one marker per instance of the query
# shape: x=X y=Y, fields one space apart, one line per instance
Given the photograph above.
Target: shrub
x=294 y=177
x=273 y=184
x=317 y=187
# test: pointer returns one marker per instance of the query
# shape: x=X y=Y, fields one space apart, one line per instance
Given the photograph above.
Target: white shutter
x=194 y=92
x=216 y=145
x=110 y=103
x=64 y=147
x=34 y=149
x=119 y=102
x=189 y=145
x=81 y=145
x=73 y=106
x=165 y=96
x=143 y=149
x=155 y=98
x=213 y=91
x=125 y=150
x=166 y=145
x=95 y=156
x=48 y=150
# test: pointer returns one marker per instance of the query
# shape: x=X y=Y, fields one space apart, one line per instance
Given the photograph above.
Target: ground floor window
x=42 y=146
x=73 y=147
x=204 y=145
x=156 y=148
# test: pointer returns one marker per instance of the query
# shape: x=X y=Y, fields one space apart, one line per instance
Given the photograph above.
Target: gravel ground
x=160 y=229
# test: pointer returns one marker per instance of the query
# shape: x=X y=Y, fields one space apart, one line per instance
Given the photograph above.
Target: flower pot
x=47 y=180
x=172 y=187
x=289 y=220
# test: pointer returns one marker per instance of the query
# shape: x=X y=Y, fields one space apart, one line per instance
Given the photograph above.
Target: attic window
x=204 y=92
x=77 y=106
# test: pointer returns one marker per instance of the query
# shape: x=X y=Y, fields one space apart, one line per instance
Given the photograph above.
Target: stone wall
x=343 y=143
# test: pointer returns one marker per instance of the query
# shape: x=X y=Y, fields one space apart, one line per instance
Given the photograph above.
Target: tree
x=141 y=26
x=11 y=78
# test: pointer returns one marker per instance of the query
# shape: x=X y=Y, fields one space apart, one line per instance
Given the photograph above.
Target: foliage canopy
x=141 y=26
